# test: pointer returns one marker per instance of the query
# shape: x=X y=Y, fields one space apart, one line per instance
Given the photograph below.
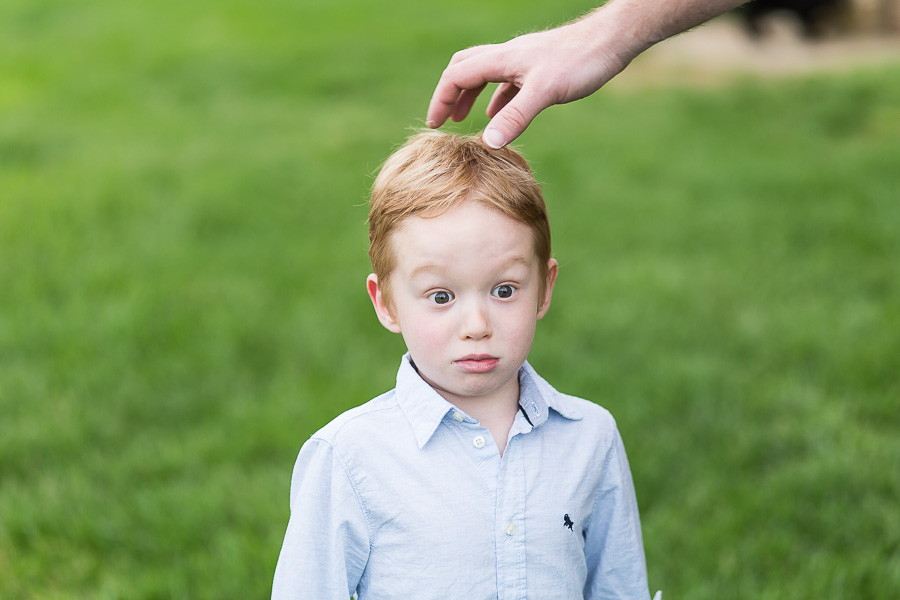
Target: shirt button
x=458 y=416
x=478 y=442
x=511 y=529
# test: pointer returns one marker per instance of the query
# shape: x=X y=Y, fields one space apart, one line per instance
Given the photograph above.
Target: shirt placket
x=510 y=522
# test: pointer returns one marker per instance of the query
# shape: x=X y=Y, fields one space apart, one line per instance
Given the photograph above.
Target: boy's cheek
x=424 y=334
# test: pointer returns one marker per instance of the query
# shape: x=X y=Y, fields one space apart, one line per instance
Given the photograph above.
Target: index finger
x=470 y=69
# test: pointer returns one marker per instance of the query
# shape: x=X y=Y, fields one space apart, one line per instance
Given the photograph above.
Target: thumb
x=512 y=119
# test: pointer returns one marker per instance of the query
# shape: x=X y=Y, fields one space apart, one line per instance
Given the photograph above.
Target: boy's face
x=465 y=297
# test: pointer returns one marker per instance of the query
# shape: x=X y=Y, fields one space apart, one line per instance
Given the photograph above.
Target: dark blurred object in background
x=820 y=18
x=812 y=15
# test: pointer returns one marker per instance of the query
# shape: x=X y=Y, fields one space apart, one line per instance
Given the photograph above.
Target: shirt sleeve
x=326 y=545
x=613 y=547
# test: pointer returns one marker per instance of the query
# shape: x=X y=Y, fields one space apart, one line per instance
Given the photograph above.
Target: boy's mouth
x=477 y=363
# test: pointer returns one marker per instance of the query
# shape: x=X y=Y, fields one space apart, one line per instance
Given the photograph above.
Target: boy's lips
x=477 y=363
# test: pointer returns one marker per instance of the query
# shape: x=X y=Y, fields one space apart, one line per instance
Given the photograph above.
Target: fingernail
x=430 y=124
x=494 y=138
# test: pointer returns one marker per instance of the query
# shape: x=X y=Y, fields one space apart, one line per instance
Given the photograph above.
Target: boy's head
x=434 y=172
x=460 y=245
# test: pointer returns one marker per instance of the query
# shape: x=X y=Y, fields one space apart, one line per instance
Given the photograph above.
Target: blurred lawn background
x=182 y=264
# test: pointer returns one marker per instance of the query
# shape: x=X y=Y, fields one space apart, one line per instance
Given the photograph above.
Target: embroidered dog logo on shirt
x=567 y=522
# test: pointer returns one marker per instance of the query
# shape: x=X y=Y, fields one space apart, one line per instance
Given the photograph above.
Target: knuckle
x=516 y=117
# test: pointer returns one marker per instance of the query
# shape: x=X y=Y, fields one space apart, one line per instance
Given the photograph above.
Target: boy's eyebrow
x=433 y=268
x=517 y=260
x=423 y=269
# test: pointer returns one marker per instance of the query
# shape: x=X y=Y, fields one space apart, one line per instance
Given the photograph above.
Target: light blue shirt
x=406 y=497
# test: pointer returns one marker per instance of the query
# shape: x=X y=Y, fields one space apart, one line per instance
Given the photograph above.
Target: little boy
x=473 y=478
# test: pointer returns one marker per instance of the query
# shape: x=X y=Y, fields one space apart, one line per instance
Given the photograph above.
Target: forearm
x=639 y=24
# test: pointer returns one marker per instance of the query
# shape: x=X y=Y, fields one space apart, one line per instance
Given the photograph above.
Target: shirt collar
x=536 y=396
x=425 y=409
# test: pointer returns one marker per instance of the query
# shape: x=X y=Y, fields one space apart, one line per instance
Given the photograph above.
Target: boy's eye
x=441 y=297
x=503 y=291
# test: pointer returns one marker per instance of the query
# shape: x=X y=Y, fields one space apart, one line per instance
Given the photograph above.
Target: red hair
x=434 y=172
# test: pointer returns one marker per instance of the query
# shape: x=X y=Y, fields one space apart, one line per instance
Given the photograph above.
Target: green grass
x=182 y=258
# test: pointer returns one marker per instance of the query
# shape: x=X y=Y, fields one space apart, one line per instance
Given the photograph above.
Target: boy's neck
x=497 y=413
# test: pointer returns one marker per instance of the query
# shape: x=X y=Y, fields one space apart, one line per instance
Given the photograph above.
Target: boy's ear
x=552 y=272
x=385 y=315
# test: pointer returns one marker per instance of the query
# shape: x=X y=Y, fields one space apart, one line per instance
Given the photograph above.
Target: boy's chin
x=475 y=386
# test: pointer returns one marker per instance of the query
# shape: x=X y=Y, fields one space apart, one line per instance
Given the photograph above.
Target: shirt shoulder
x=360 y=421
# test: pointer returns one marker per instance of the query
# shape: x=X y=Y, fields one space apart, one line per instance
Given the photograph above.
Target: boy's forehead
x=423 y=243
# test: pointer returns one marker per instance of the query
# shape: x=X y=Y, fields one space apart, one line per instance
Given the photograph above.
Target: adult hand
x=535 y=71
x=559 y=65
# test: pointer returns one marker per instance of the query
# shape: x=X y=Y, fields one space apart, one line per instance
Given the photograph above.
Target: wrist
x=617 y=29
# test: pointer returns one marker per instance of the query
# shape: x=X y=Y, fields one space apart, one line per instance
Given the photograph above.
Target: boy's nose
x=476 y=325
